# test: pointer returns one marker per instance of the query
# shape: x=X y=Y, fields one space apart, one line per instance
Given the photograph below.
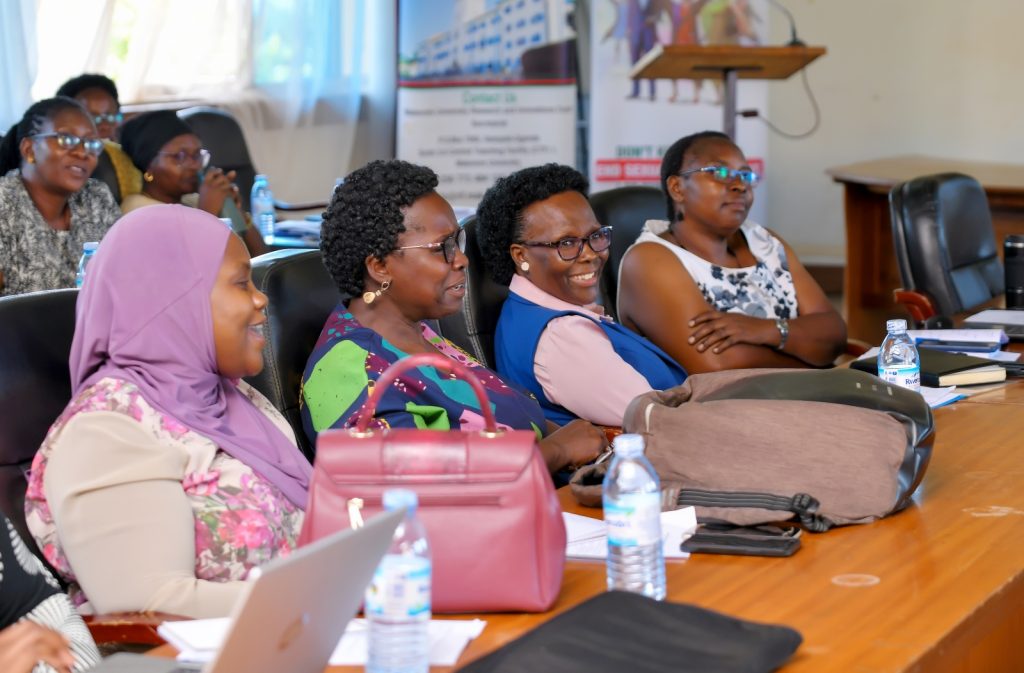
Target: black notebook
x=619 y=632
x=939 y=368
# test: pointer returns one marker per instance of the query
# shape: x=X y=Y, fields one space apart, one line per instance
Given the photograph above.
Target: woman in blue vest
x=539 y=236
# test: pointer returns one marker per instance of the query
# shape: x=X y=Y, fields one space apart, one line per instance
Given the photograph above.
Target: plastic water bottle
x=632 y=514
x=88 y=250
x=262 y=204
x=899 y=362
x=397 y=603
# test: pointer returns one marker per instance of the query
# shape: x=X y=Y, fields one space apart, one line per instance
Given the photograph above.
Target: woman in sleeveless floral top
x=167 y=478
x=714 y=289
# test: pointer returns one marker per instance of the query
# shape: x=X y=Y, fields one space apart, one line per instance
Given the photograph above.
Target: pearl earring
x=525 y=266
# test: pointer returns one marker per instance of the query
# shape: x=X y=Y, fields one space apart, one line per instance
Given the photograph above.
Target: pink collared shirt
x=575 y=363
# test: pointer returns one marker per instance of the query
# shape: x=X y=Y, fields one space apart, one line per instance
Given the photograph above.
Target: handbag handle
x=439 y=362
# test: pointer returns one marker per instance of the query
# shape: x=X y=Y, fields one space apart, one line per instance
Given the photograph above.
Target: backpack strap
x=801 y=504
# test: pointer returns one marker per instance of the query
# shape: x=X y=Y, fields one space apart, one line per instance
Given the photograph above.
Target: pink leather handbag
x=493 y=520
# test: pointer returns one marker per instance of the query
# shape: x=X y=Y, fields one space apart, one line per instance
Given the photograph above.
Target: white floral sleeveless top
x=764 y=290
x=241 y=519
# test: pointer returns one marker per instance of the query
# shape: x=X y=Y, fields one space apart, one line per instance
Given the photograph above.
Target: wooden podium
x=684 y=61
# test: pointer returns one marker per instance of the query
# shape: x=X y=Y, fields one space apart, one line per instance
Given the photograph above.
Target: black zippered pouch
x=714 y=538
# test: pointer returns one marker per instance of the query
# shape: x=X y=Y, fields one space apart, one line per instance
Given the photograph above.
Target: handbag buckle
x=491 y=435
x=360 y=434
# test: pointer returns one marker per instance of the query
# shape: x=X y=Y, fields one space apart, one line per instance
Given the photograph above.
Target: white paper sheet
x=587 y=539
x=997 y=336
x=197 y=640
x=998 y=316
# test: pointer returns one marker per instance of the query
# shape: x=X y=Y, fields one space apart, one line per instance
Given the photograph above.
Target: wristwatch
x=783 y=326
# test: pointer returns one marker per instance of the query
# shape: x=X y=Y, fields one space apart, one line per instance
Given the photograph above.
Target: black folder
x=619 y=632
x=940 y=368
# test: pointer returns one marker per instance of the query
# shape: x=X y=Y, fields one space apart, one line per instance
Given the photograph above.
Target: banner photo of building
x=486 y=87
x=632 y=123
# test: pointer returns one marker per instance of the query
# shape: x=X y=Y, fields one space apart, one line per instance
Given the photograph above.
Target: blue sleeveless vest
x=515 y=344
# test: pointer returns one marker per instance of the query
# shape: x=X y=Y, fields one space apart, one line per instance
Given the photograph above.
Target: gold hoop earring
x=147 y=176
x=525 y=266
x=369 y=297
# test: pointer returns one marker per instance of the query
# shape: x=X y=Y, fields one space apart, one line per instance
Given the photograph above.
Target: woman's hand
x=574 y=444
x=215 y=188
x=24 y=644
x=716 y=331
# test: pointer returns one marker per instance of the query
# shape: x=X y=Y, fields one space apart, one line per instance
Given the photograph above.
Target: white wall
x=936 y=77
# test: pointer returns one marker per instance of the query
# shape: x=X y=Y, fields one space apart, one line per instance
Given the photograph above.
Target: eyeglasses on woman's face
x=69 y=141
x=448 y=246
x=200 y=157
x=110 y=118
x=725 y=174
x=572 y=247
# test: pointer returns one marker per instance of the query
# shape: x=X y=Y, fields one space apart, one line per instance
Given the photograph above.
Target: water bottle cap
x=90 y=246
x=629 y=446
x=897 y=325
x=397 y=498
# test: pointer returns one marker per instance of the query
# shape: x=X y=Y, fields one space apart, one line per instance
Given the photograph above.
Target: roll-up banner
x=632 y=123
x=486 y=87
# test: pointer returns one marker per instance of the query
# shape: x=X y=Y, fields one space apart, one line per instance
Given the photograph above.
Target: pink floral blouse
x=241 y=519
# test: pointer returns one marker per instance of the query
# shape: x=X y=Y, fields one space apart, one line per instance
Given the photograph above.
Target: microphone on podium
x=794 y=41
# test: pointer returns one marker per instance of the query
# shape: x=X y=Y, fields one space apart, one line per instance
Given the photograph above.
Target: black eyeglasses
x=67 y=141
x=725 y=174
x=571 y=248
x=447 y=246
x=181 y=157
x=111 y=118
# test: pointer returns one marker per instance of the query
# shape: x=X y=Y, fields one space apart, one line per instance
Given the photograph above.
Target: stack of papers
x=973 y=341
x=306 y=230
x=587 y=538
x=198 y=640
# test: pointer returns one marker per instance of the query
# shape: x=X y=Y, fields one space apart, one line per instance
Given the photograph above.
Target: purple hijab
x=143 y=316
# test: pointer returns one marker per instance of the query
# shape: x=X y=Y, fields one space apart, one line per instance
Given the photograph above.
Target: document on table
x=198 y=640
x=999 y=316
x=587 y=538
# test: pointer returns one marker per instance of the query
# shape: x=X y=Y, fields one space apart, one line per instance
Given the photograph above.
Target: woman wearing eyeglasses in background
x=171 y=158
x=539 y=236
x=395 y=250
x=98 y=95
x=714 y=289
x=48 y=205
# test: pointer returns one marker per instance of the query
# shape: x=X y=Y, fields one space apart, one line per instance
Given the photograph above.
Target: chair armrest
x=128 y=627
x=917 y=303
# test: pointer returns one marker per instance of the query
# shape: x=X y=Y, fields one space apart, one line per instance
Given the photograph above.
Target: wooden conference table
x=871 y=273
x=938 y=587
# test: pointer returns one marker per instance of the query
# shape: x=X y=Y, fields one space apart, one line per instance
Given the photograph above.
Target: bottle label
x=633 y=519
x=905 y=377
x=400 y=588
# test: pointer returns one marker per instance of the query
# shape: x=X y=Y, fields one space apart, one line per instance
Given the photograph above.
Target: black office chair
x=105 y=173
x=472 y=329
x=945 y=246
x=223 y=138
x=626 y=209
x=35 y=385
x=301 y=295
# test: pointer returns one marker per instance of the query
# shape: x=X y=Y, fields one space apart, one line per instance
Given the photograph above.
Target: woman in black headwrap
x=172 y=160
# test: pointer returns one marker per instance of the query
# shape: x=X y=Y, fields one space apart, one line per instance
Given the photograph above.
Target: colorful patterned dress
x=349 y=358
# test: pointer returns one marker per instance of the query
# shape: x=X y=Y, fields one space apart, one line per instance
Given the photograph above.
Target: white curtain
x=18 y=59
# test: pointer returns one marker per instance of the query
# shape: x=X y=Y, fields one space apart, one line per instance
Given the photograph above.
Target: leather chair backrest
x=626 y=209
x=944 y=241
x=105 y=173
x=472 y=329
x=223 y=138
x=301 y=294
x=35 y=385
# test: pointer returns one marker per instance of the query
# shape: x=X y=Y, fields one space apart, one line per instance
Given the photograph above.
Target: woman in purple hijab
x=167 y=478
